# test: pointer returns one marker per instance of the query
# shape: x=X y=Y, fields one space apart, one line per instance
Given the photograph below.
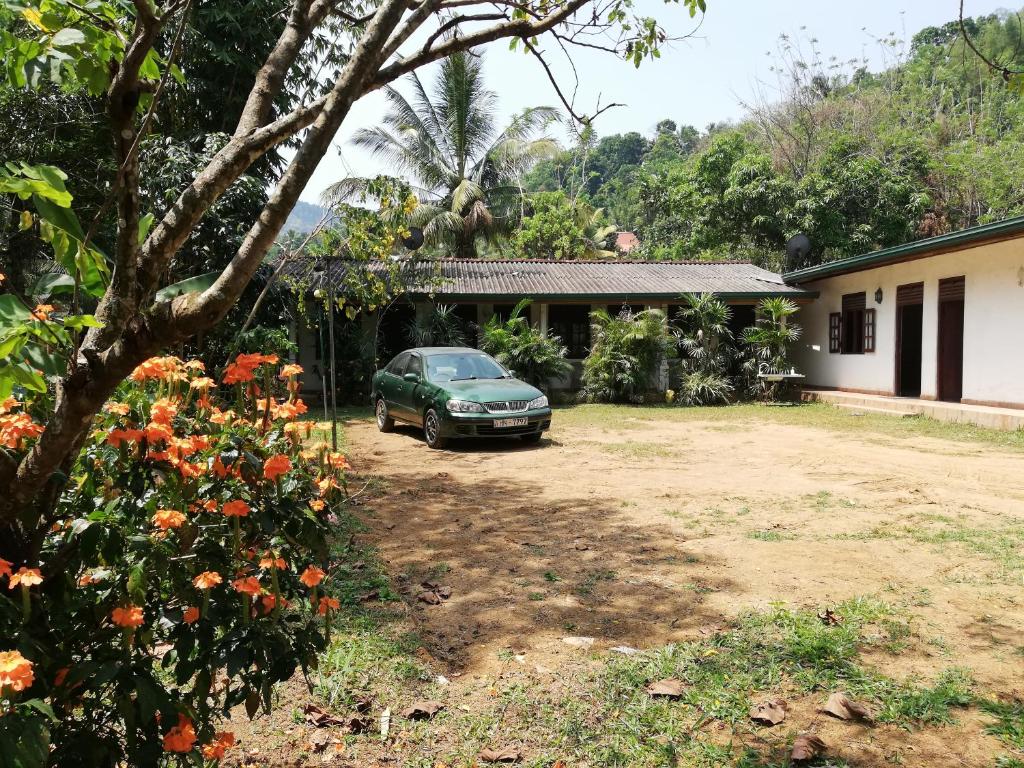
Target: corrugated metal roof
x=515 y=278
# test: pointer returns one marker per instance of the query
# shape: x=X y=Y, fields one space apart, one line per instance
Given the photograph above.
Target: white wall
x=993 y=325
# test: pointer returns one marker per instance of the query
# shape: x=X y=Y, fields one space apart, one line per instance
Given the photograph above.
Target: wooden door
x=951 y=340
x=909 y=317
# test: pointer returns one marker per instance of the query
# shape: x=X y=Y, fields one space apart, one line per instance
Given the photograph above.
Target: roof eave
x=932 y=246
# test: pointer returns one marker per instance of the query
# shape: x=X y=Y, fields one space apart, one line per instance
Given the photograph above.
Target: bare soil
x=640 y=531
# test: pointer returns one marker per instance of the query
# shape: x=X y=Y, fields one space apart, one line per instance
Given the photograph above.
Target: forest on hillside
x=854 y=159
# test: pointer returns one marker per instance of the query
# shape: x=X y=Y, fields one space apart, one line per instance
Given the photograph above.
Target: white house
x=940 y=319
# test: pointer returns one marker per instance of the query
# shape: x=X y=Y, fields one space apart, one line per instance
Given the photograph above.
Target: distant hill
x=304 y=217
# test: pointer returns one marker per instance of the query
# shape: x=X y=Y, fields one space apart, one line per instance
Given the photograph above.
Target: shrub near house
x=180 y=576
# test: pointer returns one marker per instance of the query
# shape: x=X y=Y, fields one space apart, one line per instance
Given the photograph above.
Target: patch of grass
x=551 y=576
x=931 y=705
x=775 y=652
x=536 y=596
x=640 y=450
x=592 y=579
x=1008 y=725
x=817 y=415
x=769 y=535
x=366 y=647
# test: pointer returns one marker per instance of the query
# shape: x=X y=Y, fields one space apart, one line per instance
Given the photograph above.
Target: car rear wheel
x=384 y=422
x=432 y=430
x=532 y=438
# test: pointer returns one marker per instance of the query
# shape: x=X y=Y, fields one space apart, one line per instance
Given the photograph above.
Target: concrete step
x=856 y=409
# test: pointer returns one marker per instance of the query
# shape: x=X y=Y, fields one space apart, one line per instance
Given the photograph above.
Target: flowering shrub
x=182 y=578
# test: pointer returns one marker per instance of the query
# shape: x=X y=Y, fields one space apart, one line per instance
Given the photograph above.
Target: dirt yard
x=647 y=527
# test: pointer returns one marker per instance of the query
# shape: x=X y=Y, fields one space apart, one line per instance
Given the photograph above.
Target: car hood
x=489 y=390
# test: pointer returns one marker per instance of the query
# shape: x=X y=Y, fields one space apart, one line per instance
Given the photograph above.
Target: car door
x=410 y=394
x=392 y=384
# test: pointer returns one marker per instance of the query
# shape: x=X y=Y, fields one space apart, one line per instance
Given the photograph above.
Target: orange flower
x=325 y=485
x=88 y=578
x=168 y=518
x=236 y=508
x=312 y=576
x=217 y=416
x=203 y=383
x=289 y=370
x=317 y=505
x=16 y=426
x=337 y=461
x=157 y=432
x=269 y=601
x=163 y=368
x=328 y=603
x=182 y=737
x=248 y=585
x=269 y=561
x=121 y=409
x=163 y=411
x=15 y=672
x=8 y=405
x=42 y=311
x=215 y=749
x=5 y=567
x=128 y=617
x=276 y=466
x=191 y=615
x=118 y=436
x=27 y=577
x=207 y=580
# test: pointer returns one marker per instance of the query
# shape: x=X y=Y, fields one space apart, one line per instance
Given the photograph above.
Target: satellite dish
x=798 y=248
x=415 y=239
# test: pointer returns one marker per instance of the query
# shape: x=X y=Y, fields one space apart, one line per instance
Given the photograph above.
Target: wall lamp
x=878 y=296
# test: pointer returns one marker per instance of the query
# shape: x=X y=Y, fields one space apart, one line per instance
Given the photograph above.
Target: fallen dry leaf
x=422 y=710
x=841 y=706
x=444 y=592
x=670 y=687
x=807 y=746
x=830 y=618
x=506 y=755
x=319 y=740
x=321 y=718
x=769 y=712
x=429 y=597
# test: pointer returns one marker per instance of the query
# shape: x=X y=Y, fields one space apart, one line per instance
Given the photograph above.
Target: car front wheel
x=384 y=422
x=432 y=430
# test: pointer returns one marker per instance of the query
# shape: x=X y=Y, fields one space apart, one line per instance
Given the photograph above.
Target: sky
x=704 y=78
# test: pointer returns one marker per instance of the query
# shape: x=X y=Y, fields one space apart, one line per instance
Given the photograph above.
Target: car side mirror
x=414 y=377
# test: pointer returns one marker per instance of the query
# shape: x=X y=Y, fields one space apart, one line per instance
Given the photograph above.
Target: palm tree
x=768 y=343
x=447 y=141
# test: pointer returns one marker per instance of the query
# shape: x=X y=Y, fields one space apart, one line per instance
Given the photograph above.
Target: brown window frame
x=854 y=311
x=835 y=332
x=869 y=330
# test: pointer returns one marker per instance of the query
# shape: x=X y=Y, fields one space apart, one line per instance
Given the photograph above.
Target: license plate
x=499 y=423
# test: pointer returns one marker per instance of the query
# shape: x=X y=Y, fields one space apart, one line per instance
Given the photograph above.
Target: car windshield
x=463 y=366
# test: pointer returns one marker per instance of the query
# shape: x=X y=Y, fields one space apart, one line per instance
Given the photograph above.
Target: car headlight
x=540 y=402
x=463 y=406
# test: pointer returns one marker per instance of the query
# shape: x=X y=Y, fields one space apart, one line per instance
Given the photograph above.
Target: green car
x=457 y=392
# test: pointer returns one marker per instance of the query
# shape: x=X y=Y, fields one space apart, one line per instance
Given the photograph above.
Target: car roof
x=427 y=351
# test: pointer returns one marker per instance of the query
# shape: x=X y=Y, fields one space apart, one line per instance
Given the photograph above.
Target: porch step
x=858 y=409
x=982 y=415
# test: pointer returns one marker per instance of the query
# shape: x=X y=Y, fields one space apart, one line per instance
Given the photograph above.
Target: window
x=571 y=323
x=415 y=365
x=397 y=366
x=463 y=366
x=835 y=332
x=854 y=309
x=869 y=330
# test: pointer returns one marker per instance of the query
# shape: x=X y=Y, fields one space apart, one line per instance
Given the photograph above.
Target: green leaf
x=75 y=322
x=53 y=284
x=12 y=312
x=196 y=284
